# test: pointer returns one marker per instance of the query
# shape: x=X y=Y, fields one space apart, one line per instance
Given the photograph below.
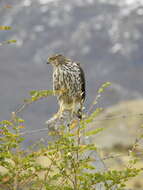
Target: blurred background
x=105 y=36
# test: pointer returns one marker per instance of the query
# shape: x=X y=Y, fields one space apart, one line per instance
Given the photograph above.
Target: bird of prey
x=68 y=84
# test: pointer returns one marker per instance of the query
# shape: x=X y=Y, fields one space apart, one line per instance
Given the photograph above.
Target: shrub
x=60 y=165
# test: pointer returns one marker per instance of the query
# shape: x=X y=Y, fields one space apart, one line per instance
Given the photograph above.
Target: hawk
x=68 y=84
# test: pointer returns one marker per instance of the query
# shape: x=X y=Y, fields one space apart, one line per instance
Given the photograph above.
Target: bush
x=60 y=165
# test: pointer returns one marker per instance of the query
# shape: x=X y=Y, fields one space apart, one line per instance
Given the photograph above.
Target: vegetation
x=66 y=167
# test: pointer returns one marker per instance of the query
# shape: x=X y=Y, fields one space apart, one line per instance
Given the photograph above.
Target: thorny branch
x=140 y=115
x=114 y=117
x=122 y=116
x=7 y=42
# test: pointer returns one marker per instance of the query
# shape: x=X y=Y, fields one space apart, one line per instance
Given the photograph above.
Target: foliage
x=66 y=166
x=6 y=28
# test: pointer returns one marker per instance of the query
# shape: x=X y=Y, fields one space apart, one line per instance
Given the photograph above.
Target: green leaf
x=5 y=27
x=5 y=122
x=102 y=88
x=32 y=92
x=93 y=115
x=11 y=41
x=106 y=84
x=94 y=132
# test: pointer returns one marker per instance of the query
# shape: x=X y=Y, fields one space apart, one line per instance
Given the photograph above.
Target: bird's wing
x=82 y=76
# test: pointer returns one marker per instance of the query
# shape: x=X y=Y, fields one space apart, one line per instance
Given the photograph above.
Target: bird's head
x=56 y=60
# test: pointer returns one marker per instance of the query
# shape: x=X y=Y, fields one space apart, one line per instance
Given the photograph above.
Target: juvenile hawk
x=68 y=84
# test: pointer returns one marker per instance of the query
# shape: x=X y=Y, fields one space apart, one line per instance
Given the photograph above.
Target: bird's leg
x=73 y=108
x=60 y=111
x=78 y=109
x=79 y=112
